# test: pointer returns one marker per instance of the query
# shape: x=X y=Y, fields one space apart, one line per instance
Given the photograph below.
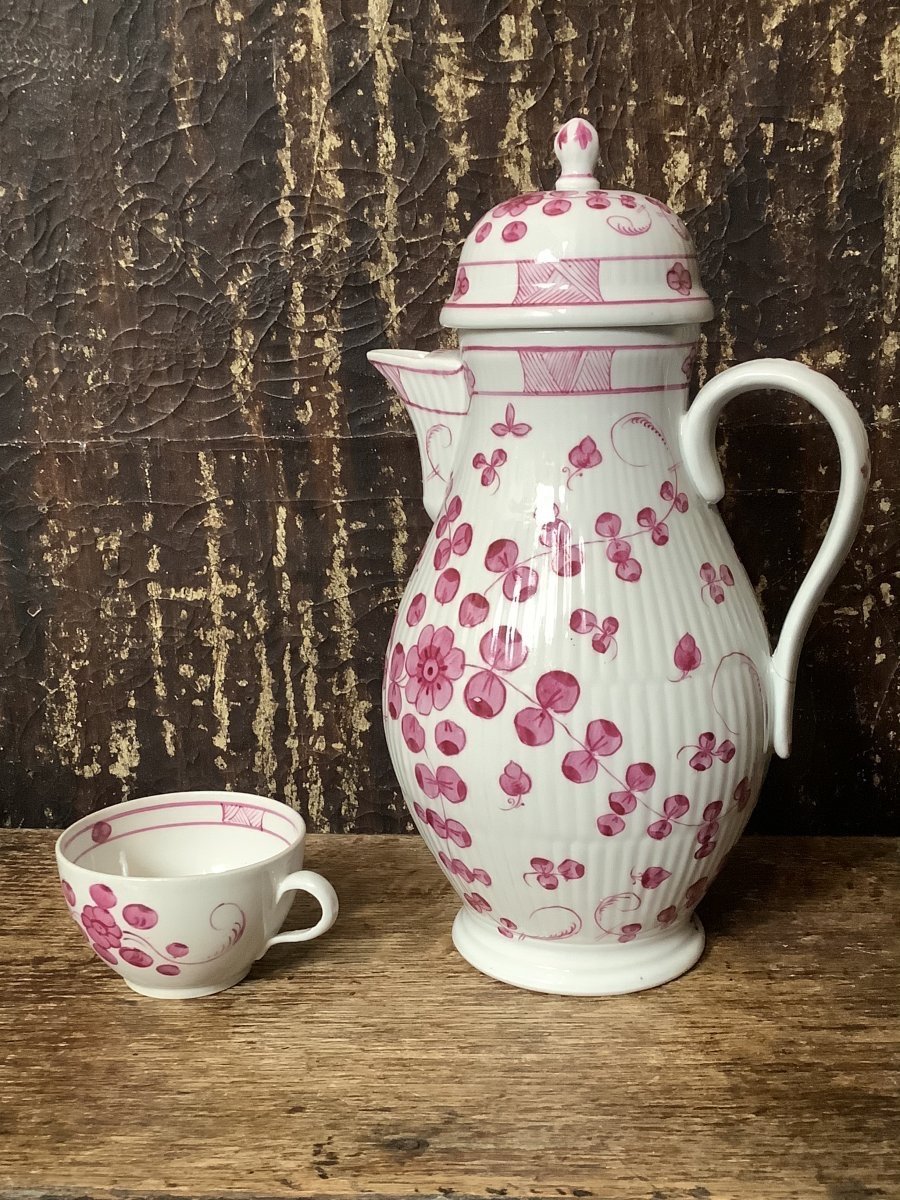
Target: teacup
x=181 y=893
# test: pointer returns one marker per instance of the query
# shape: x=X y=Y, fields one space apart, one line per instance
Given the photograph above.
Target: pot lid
x=580 y=255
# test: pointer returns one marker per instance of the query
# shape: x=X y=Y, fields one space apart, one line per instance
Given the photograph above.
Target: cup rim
x=218 y=794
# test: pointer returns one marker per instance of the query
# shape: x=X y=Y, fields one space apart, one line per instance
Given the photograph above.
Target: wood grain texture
x=376 y=1062
x=210 y=210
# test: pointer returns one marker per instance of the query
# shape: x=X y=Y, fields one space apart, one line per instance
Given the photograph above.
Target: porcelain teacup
x=181 y=893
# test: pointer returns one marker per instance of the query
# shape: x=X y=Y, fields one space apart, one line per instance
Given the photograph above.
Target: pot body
x=576 y=691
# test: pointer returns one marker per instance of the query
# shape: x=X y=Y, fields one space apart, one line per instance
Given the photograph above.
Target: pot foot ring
x=610 y=969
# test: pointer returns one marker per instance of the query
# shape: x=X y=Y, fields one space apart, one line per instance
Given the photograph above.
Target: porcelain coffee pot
x=580 y=698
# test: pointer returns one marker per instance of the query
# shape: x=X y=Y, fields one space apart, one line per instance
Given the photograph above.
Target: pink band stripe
x=438 y=412
x=180 y=825
x=621 y=391
x=473 y=348
x=425 y=370
x=587 y=303
x=527 y=262
x=165 y=806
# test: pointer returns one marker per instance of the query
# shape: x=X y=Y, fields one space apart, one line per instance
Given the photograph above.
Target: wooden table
x=375 y=1062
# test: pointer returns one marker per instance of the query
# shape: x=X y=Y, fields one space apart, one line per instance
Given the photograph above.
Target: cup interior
x=181 y=834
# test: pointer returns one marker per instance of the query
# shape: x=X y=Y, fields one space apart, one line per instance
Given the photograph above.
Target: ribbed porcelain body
x=576 y=685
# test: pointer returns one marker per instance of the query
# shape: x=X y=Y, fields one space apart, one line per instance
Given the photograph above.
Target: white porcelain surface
x=580 y=700
x=181 y=893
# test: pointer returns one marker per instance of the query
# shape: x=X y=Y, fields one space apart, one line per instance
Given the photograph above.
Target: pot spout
x=434 y=389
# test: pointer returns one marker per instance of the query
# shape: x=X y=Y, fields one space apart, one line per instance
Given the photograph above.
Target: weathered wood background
x=210 y=209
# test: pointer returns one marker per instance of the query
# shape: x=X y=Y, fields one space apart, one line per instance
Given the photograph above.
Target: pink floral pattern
x=492 y=685
x=678 y=277
x=433 y=665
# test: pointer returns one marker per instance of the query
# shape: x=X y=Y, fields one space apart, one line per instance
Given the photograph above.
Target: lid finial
x=577 y=148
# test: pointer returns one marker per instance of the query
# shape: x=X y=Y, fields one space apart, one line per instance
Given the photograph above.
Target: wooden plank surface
x=375 y=1062
x=210 y=502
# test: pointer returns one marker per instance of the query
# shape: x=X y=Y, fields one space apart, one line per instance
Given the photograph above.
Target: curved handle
x=321 y=889
x=698 y=442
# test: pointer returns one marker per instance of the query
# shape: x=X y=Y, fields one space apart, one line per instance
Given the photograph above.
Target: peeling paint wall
x=208 y=212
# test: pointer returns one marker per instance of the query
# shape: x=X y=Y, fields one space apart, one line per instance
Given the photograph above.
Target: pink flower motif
x=628 y=201
x=69 y=893
x=585 y=454
x=100 y=927
x=462 y=284
x=659 y=530
x=489 y=469
x=598 y=200
x=474 y=900
x=707 y=750
x=687 y=656
x=443 y=782
x=433 y=664
x=514 y=231
x=639 y=778
x=678 y=277
x=100 y=831
x=139 y=916
x=510 y=425
x=583 y=620
x=507 y=928
x=416 y=609
x=515 y=782
x=715 y=582
x=482 y=231
x=517 y=205
x=548 y=875
x=678 y=500
x=601 y=739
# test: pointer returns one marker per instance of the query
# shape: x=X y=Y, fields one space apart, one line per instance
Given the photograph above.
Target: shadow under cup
x=179 y=893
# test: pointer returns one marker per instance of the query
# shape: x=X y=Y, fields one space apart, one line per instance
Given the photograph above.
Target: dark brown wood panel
x=210 y=209
x=375 y=1062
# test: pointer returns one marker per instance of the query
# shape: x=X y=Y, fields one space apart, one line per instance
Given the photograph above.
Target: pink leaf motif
x=485 y=695
x=579 y=766
x=511 y=425
x=585 y=455
x=640 y=777
x=474 y=900
x=502 y=555
x=629 y=932
x=534 y=726
x=742 y=794
x=659 y=830
x=608 y=525
x=462 y=539
x=629 y=571
x=442 y=554
x=667 y=491
x=447 y=586
x=582 y=621
x=473 y=609
x=458 y=834
x=676 y=806
x=725 y=751
x=416 y=609
x=454 y=508
x=413 y=733
x=426 y=781
x=707 y=572
x=687 y=656
x=696 y=892
x=668 y=915
x=583 y=135
x=520 y=584
x=618 y=550
x=558 y=691
x=610 y=824
x=654 y=876
x=569 y=869
x=622 y=802
x=603 y=738
x=449 y=737
x=514 y=781
x=712 y=810
x=726 y=576
x=503 y=648
x=450 y=785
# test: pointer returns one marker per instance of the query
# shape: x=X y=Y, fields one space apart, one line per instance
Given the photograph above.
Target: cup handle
x=321 y=889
